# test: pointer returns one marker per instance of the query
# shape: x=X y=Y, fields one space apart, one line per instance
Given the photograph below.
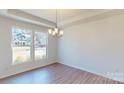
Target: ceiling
x=47 y=17
x=63 y=14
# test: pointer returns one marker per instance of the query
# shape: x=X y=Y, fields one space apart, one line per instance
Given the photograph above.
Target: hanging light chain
x=56 y=19
x=56 y=31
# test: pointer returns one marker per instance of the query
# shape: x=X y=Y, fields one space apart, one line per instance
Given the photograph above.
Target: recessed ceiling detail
x=63 y=14
x=47 y=17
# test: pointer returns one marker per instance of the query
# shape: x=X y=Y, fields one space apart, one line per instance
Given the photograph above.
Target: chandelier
x=56 y=31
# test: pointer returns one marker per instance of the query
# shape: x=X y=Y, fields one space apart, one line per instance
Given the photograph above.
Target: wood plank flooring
x=57 y=74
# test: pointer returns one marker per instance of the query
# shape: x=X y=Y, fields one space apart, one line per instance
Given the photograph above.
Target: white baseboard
x=28 y=69
x=100 y=74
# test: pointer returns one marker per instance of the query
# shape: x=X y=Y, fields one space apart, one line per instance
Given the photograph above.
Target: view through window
x=22 y=45
x=40 y=40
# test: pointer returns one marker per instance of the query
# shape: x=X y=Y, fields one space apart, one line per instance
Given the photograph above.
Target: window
x=40 y=42
x=21 y=45
x=25 y=48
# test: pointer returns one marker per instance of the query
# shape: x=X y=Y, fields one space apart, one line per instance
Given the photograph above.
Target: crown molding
x=98 y=16
x=22 y=16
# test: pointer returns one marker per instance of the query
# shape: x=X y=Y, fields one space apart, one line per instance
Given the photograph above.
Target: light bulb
x=50 y=31
x=56 y=30
x=53 y=33
x=61 y=33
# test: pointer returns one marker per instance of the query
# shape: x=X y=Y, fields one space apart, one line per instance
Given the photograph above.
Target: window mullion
x=32 y=47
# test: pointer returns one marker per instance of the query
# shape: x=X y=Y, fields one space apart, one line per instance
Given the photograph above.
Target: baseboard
x=90 y=71
x=29 y=69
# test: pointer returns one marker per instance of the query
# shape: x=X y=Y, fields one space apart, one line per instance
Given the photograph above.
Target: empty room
x=61 y=46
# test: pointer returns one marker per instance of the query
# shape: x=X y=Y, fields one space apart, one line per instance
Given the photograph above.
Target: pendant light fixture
x=56 y=31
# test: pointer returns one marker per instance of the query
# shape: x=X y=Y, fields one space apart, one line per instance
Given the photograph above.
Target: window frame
x=32 y=46
x=14 y=63
x=46 y=45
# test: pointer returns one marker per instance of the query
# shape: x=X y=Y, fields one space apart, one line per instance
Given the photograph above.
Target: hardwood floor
x=57 y=74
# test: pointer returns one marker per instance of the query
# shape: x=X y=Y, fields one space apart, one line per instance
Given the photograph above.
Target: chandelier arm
x=56 y=32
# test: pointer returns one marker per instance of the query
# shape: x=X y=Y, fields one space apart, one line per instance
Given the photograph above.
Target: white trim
x=28 y=69
x=46 y=46
x=32 y=46
x=84 y=69
x=22 y=16
x=13 y=63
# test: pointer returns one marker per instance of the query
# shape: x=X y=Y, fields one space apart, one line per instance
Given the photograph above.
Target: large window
x=22 y=48
x=40 y=41
x=21 y=45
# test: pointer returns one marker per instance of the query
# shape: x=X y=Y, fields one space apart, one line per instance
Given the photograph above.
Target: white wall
x=6 y=67
x=96 y=46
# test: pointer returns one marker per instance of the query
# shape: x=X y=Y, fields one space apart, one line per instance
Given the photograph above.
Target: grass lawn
x=22 y=54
